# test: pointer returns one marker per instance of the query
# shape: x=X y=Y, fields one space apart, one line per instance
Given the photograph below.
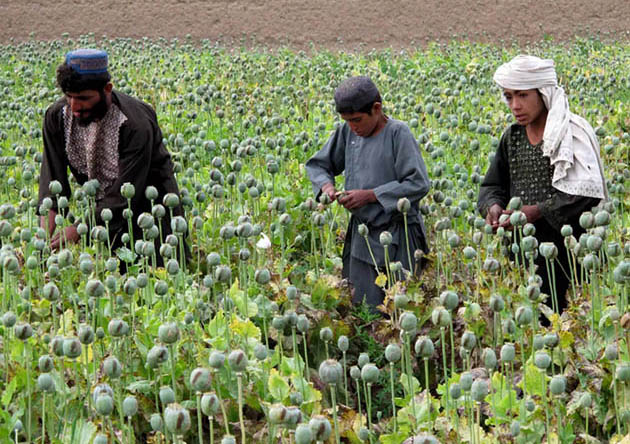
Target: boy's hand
x=354 y=199
x=329 y=189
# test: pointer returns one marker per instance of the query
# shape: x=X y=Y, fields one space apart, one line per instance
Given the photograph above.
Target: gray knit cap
x=355 y=93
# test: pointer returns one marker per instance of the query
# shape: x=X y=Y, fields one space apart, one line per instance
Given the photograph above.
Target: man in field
x=100 y=133
x=549 y=158
x=382 y=163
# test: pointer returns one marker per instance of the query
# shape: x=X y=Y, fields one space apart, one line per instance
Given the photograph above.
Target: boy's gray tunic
x=390 y=163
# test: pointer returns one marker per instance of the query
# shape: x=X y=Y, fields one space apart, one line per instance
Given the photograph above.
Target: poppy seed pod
x=515 y=204
x=408 y=321
x=557 y=385
x=424 y=347
x=542 y=360
x=529 y=243
x=355 y=372
x=156 y=422
x=72 y=348
x=210 y=404
x=497 y=304
x=489 y=359
x=56 y=345
x=515 y=428
x=587 y=220
x=237 y=360
x=130 y=406
x=223 y=273
x=343 y=343
x=260 y=352
x=385 y=238
x=50 y=292
x=551 y=340
x=364 y=434
x=590 y=262
x=524 y=315
x=466 y=381
x=491 y=265
x=566 y=230
x=508 y=352
x=425 y=439
x=156 y=356
x=9 y=319
x=94 y=288
x=370 y=373
x=167 y=395
x=455 y=391
x=262 y=276
x=294 y=416
x=177 y=419
x=168 y=333
x=441 y=317
x=104 y=404
x=45 y=383
x=45 y=364
x=112 y=367
x=200 y=379
x=326 y=334
x=470 y=253
x=321 y=428
x=403 y=205
x=538 y=342
x=518 y=218
x=393 y=353
x=303 y=434
x=623 y=372
x=303 y=323
x=170 y=200
x=117 y=328
x=602 y=218
x=449 y=300
x=228 y=439
x=479 y=390
x=585 y=400
x=400 y=301
x=330 y=371
x=363 y=359
x=469 y=340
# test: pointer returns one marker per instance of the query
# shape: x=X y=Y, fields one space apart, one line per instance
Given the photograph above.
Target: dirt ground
x=333 y=24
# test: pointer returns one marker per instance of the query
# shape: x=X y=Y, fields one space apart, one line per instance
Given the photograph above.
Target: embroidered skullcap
x=526 y=72
x=355 y=93
x=87 y=61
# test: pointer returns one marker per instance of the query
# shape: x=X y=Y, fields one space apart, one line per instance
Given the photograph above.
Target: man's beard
x=97 y=112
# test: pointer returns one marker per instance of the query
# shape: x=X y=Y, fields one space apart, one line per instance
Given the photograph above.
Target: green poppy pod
x=518 y=218
x=424 y=347
x=151 y=193
x=343 y=343
x=228 y=439
x=130 y=406
x=465 y=381
x=538 y=342
x=470 y=253
x=355 y=372
x=156 y=422
x=56 y=345
x=455 y=391
x=101 y=389
x=542 y=360
x=170 y=200
x=611 y=352
x=177 y=419
x=168 y=333
x=277 y=414
x=401 y=301
x=385 y=238
x=515 y=428
x=370 y=373
x=237 y=360
x=515 y=204
x=449 y=300
x=112 y=367
x=623 y=372
x=602 y=218
x=303 y=434
x=489 y=359
x=508 y=352
x=210 y=404
x=469 y=340
x=491 y=265
x=94 y=288
x=393 y=353
x=127 y=190
x=45 y=383
x=497 y=304
x=223 y=273
x=364 y=434
x=363 y=359
x=167 y=395
x=551 y=340
x=587 y=220
x=403 y=205
x=408 y=321
x=557 y=385
x=425 y=439
x=200 y=379
x=591 y=262
x=157 y=355
x=441 y=317
x=294 y=416
x=260 y=352
x=362 y=229
x=72 y=348
x=262 y=276
x=533 y=292
x=524 y=315
x=330 y=371
x=45 y=364
x=529 y=243
x=303 y=323
x=613 y=249
x=117 y=328
x=321 y=428
x=9 y=319
x=548 y=250
x=479 y=390
x=566 y=230
x=104 y=405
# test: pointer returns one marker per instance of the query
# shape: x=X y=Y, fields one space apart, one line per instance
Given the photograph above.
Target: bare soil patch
x=333 y=24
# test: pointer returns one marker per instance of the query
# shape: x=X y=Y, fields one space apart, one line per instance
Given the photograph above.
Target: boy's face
x=364 y=124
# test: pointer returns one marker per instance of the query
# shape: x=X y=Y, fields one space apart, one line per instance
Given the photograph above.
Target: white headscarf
x=569 y=141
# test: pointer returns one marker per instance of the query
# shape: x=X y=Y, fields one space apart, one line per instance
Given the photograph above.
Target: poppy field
x=254 y=339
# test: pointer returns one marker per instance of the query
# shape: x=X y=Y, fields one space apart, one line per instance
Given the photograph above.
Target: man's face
x=87 y=106
x=363 y=124
x=526 y=105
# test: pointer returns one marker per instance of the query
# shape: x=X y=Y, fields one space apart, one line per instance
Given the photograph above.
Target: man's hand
x=354 y=199
x=329 y=189
x=71 y=236
x=492 y=218
x=532 y=212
